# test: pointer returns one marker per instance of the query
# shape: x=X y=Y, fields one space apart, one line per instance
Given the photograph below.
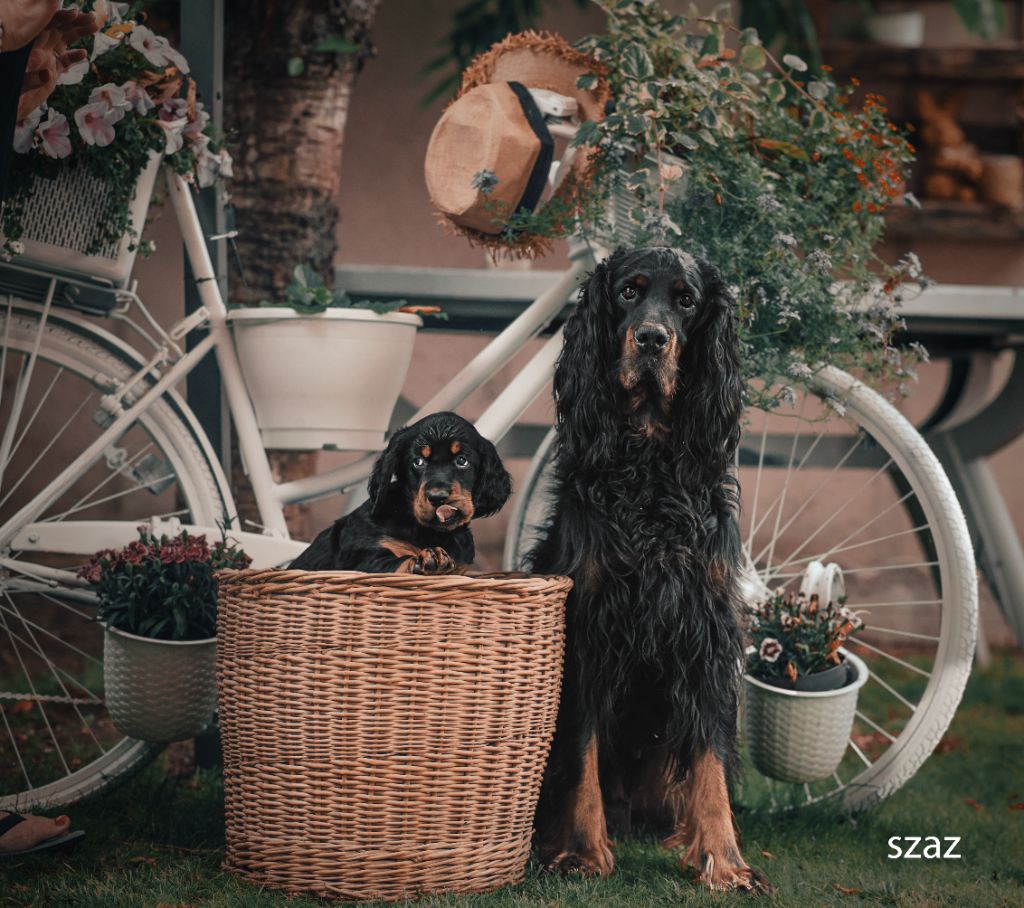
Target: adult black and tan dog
x=648 y=401
x=433 y=478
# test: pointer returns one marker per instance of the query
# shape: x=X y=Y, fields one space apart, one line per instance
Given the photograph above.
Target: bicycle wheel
x=57 y=743
x=839 y=475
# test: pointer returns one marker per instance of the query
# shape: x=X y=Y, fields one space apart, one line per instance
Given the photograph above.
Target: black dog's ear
x=385 y=467
x=493 y=486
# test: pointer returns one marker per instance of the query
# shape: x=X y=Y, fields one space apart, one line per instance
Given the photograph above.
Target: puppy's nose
x=437 y=496
x=651 y=337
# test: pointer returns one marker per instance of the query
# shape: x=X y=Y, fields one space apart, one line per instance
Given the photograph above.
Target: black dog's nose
x=651 y=337
x=437 y=496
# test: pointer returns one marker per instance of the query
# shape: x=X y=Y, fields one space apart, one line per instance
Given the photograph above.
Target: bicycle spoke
x=91 y=696
x=875 y=726
x=138 y=488
x=17 y=613
x=757 y=486
x=32 y=687
x=830 y=553
x=43 y=453
x=905 y=602
x=56 y=675
x=782 y=494
x=859 y=753
x=14 y=747
x=892 y=630
x=111 y=475
x=890 y=657
x=892 y=690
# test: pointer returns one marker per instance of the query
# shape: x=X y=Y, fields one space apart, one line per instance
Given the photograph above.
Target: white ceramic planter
x=324 y=380
x=896 y=29
x=159 y=690
x=800 y=736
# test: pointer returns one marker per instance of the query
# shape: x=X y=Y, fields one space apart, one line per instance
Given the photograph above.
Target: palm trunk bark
x=287 y=133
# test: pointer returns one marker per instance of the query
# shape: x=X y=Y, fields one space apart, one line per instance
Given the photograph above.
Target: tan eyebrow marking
x=425 y=452
x=456 y=447
x=641 y=280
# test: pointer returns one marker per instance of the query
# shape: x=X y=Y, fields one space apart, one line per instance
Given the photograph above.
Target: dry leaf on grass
x=846 y=890
x=767 y=854
x=974 y=805
x=1018 y=806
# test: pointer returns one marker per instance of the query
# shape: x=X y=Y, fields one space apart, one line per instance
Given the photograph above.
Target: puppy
x=434 y=477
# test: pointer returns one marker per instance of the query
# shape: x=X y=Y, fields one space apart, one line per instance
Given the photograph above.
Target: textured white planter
x=800 y=736
x=324 y=380
x=60 y=224
x=159 y=690
x=904 y=29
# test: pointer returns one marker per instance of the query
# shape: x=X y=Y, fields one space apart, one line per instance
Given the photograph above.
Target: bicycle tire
x=877 y=420
x=69 y=348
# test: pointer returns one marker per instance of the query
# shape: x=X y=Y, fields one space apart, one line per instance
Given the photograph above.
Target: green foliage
x=794 y=637
x=307 y=293
x=162 y=588
x=149 y=111
x=765 y=169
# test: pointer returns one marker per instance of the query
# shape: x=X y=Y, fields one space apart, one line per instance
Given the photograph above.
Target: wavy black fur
x=644 y=523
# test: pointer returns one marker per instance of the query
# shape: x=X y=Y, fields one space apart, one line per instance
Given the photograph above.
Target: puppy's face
x=441 y=470
x=657 y=293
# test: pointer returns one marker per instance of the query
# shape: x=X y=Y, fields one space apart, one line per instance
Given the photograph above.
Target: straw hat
x=490 y=152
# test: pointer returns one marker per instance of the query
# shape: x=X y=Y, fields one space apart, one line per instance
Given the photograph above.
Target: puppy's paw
x=433 y=561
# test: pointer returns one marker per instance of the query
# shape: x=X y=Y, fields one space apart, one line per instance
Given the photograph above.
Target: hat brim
x=540 y=60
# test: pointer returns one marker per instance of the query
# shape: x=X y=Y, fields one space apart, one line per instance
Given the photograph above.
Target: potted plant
x=779 y=176
x=304 y=355
x=86 y=160
x=157 y=600
x=801 y=686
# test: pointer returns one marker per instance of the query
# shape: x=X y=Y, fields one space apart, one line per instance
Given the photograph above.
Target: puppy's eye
x=628 y=293
x=686 y=301
x=462 y=461
x=418 y=463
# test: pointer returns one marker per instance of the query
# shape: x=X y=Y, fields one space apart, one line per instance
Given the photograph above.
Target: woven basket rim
x=510 y=580
x=857 y=684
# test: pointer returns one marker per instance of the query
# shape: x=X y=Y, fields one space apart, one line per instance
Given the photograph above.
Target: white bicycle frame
x=27 y=533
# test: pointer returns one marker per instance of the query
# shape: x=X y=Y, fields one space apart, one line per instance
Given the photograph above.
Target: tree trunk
x=287 y=133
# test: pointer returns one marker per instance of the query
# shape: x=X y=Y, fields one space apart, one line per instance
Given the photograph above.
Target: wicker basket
x=61 y=223
x=385 y=734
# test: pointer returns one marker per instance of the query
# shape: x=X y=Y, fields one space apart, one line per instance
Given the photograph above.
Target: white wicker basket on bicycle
x=62 y=218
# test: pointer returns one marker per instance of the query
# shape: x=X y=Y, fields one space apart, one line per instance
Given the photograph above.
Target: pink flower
x=770 y=649
x=156 y=49
x=25 y=131
x=137 y=97
x=198 y=123
x=74 y=74
x=96 y=122
x=55 y=135
x=113 y=95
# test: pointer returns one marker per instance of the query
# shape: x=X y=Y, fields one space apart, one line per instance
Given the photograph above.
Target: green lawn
x=158 y=840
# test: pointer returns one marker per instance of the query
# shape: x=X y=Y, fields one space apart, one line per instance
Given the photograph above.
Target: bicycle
x=147 y=460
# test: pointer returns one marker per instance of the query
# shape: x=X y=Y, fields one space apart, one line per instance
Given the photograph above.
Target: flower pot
x=159 y=690
x=327 y=380
x=896 y=29
x=60 y=224
x=800 y=735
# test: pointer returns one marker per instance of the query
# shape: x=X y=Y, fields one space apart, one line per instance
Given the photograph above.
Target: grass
x=158 y=841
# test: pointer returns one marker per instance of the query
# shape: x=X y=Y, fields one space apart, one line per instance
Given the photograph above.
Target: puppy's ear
x=385 y=467
x=493 y=485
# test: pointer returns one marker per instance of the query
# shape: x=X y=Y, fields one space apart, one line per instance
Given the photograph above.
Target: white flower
x=55 y=135
x=210 y=166
x=848 y=614
x=156 y=49
x=96 y=122
x=173 y=134
x=770 y=650
x=113 y=95
x=102 y=43
x=114 y=13
x=198 y=123
x=74 y=74
x=25 y=131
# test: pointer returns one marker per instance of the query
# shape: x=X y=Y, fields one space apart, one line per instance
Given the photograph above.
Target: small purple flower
x=55 y=135
x=770 y=650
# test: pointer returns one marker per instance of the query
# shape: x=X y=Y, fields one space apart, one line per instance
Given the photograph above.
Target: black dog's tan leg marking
x=583 y=846
x=707 y=829
x=416 y=560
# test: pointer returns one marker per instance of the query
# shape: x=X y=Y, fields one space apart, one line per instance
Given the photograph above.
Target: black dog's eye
x=628 y=293
x=686 y=301
x=462 y=461
x=418 y=463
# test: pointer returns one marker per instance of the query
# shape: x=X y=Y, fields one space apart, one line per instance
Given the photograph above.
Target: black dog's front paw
x=433 y=561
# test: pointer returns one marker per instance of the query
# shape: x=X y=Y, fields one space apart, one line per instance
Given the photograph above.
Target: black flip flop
x=13 y=819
